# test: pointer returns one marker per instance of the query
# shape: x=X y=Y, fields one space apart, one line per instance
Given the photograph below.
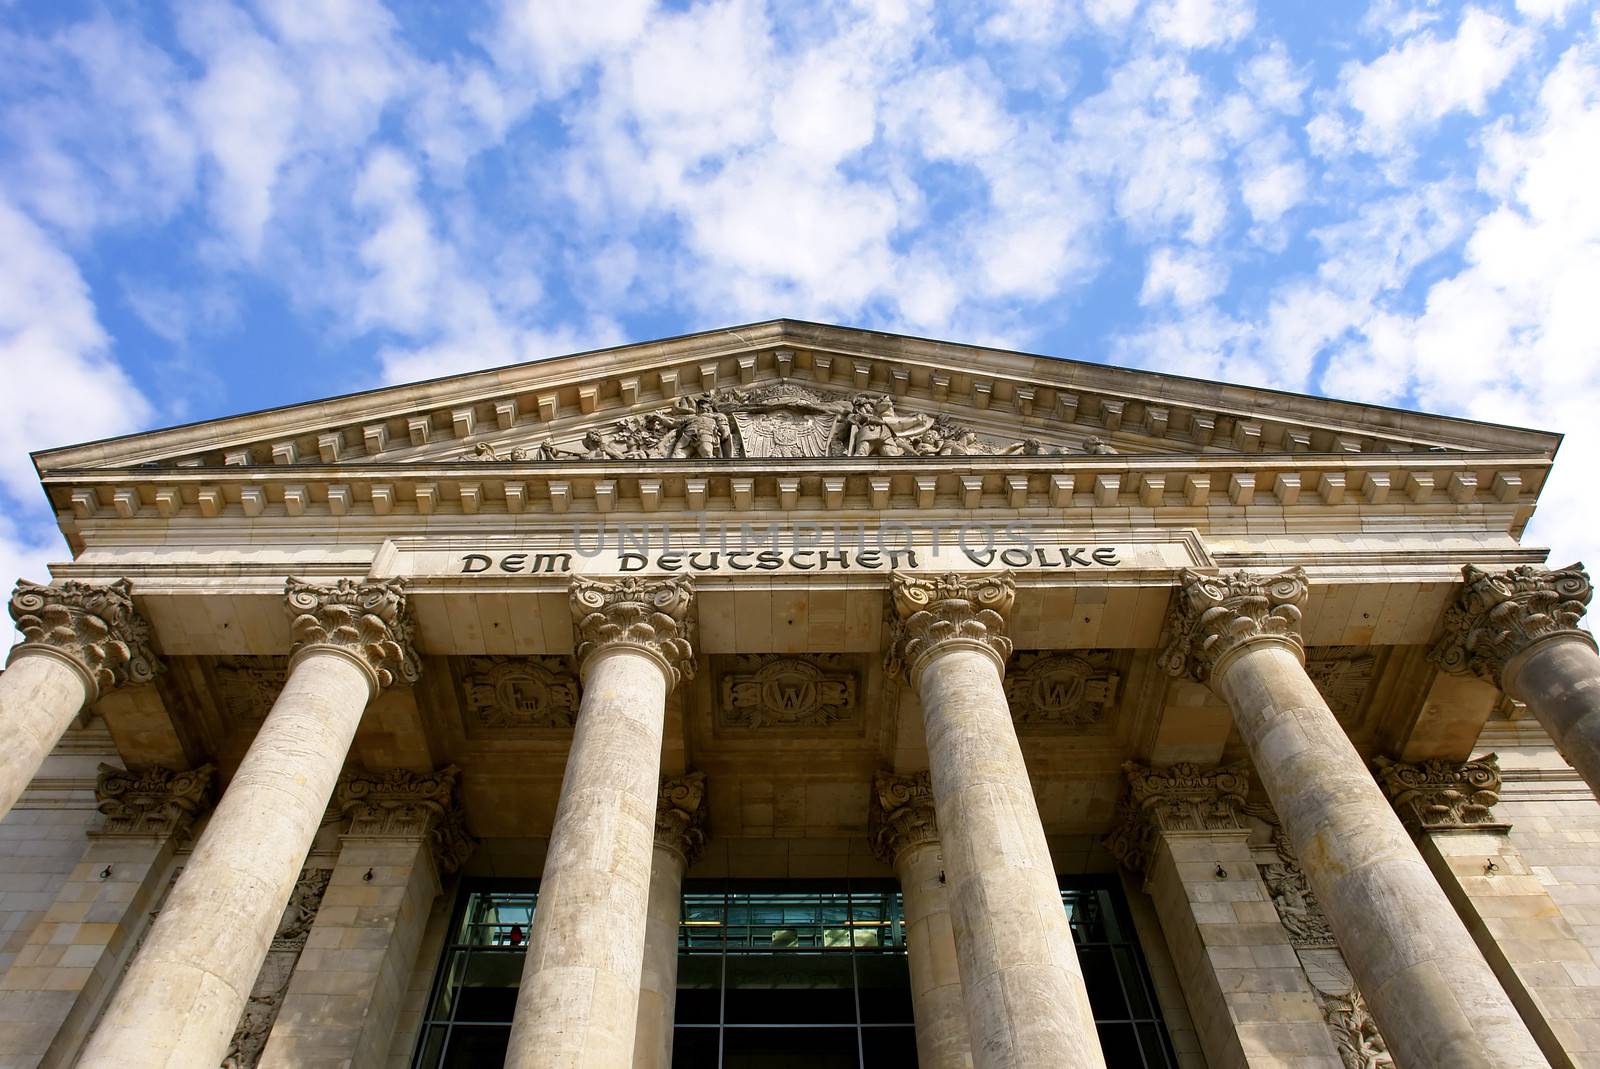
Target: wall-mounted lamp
x=105 y=873
x=1221 y=873
x=1490 y=868
x=366 y=877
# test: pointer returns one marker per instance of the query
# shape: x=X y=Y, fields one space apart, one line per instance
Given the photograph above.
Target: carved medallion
x=1060 y=689
x=1342 y=675
x=777 y=692
x=247 y=686
x=519 y=693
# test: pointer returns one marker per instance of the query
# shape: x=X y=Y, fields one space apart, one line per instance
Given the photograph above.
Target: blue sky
x=213 y=206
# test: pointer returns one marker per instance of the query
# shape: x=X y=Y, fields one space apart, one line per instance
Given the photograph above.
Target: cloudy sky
x=209 y=206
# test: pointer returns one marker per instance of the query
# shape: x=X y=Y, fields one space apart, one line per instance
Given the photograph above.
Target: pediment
x=785 y=390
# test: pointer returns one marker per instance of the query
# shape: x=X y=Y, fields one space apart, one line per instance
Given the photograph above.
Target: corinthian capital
x=900 y=814
x=1442 y=795
x=1213 y=615
x=1500 y=614
x=93 y=627
x=412 y=805
x=1183 y=798
x=649 y=616
x=942 y=611
x=368 y=621
x=155 y=803
x=681 y=815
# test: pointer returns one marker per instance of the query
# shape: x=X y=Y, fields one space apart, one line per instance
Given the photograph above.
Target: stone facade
x=804 y=603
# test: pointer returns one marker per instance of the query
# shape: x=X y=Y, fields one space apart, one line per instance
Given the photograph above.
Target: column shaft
x=1024 y=992
x=1559 y=680
x=578 y=1005
x=658 y=984
x=40 y=694
x=180 y=1000
x=1432 y=994
x=943 y=1041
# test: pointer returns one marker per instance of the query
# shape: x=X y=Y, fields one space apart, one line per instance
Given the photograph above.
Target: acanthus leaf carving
x=900 y=814
x=95 y=626
x=1443 y=795
x=367 y=620
x=404 y=804
x=650 y=616
x=1214 y=615
x=1183 y=798
x=937 y=612
x=1501 y=614
x=153 y=803
x=1355 y=1033
x=681 y=815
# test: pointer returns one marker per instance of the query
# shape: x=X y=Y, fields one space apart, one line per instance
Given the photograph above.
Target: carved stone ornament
x=520 y=693
x=947 y=610
x=1355 y=1033
x=681 y=815
x=1341 y=675
x=93 y=626
x=152 y=804
x=1060 y=689
x=367 y=620
x=1443 y=795
x=900 y=814
x=1298 y=910
x=248 y=686
x=651 y=616
x=787 y=691
x=412 y=805
x=1182 y=798
x=272 y=982
x=1213 y=615
x=1500 y=614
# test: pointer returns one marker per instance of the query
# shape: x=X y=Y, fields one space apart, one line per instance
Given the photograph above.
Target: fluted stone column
x=1519 y=630
x=905 y=835
x=180 y=1000
x=1022 y=986
x=405 y=829
x=1183 y=829
x=680 y=836
x=79 y=641
x=1432 y=994
x=59 y=980
x=579 y=1001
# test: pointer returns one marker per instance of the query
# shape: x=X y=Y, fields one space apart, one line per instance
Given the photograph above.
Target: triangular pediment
x=785 y=390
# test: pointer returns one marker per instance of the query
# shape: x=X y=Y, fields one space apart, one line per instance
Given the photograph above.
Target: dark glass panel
x=1133 y=983
x=790 y=988
x=695 y=1048
x=488 y=990
x=1100 y=977
x=790 y=1048
x=699 y=999
x=476 y=1047
x=1119 y=1045
x=1157 y=1046
x=883 y=984
x=889 y=1048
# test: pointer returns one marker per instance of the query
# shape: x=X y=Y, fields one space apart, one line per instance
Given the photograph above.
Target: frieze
x=1060 y=689
x=1355 y=1033
x=778 y=692
x=513 y=694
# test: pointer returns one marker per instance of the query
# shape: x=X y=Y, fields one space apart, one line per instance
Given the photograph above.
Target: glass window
x=475 y=993
x=1120 y=993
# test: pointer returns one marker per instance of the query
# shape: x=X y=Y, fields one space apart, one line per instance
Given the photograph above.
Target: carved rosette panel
x=900 y=814
x=1442 y=795
x=1058 y=689
x=1214 y=615
x=513 y=694
x=1341 y=675
x=272 y=982
x=246 y=687
x=1500 y=614
x=787 y=691
x=154 y=803
x=93 y=625
x=368 y=620
x=1184 y=798
x=650 y=616
x=941 y=611
x=1355 y=1033
x=413 y=805
x=681 y=815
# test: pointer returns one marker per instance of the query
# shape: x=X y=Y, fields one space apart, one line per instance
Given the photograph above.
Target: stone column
x=58 y=981
x=1184 y=830
x=1023 y=990
x=905 y=835
x=1447 y=806
x=79 y=641
x=1433 y=996
x=578 y=1006
x=180 y=1000
x=344 y=997
x=680 y=836
x=1519 y=630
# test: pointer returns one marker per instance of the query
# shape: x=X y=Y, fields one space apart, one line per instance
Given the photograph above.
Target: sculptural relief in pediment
x=786 y=420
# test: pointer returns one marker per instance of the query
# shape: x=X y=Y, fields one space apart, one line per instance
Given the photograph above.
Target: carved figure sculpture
x=697 y=428
x=1095 y=445
x=876 y=430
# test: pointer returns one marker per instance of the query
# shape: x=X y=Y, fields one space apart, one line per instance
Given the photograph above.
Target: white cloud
x=1184 y=277
x=1544 y=10
x=1200 y=23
